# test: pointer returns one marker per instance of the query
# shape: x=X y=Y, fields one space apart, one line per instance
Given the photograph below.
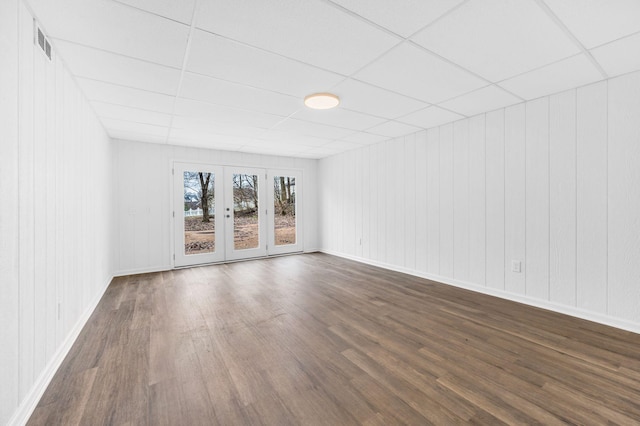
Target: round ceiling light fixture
x=321 y=101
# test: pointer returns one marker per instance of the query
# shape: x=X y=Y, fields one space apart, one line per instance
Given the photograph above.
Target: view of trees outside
x=245 y=212
x=284 y=191
x=199 y=213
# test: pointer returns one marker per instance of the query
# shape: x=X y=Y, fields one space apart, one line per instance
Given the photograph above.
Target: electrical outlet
x=516 y=266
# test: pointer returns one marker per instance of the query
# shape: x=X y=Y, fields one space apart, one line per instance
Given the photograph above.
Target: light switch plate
x=516 y=266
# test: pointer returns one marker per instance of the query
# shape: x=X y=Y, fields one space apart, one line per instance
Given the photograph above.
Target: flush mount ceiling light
x=322 y=101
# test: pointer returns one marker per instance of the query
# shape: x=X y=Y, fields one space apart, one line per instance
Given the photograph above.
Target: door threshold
x=222 y=262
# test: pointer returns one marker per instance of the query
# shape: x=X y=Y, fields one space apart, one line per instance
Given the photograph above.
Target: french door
x=198 y=221
x=230 y=213
x=245 y=213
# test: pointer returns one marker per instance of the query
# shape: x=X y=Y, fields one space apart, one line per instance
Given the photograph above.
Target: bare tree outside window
x=284 y=196
x=199 y=212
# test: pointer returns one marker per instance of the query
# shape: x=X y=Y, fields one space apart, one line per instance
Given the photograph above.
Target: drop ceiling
x=232 y=74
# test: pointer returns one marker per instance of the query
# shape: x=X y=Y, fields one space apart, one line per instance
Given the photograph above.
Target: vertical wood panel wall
x=9 y=215
x=55 y=219
x=553 y=183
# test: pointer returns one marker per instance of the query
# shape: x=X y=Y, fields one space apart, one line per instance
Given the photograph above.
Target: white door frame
x=289 y=248
x=180 y=258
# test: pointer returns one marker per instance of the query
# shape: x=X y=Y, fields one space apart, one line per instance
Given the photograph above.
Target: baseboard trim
x=137 y=271
x=543 y=304
x=164 y=268
x=30 y=401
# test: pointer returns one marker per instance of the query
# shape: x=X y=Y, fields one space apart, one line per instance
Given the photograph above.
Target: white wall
x=55 y=224
x=143 y=191
x=553 y=183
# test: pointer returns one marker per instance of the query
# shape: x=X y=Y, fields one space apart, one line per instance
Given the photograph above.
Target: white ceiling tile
x=221 y=114
x=204 y=126
x=363 y=97
x=111 y=68
x=247 y=94
x=364 y=138
x=292 y=149
x=208 y=140
x=276 y=135
x=411 y=71
x=566 y=74
x=482 y=100
x=310 y=155
x=277 y=145
x=403 y=17
x=227 y=60
x=312 y=129
x=126 y=96
x=204 y=144
x=265 y=149
x=310 y=31
x=135 y=136
x=619 y=57
x=111 y=124
x=498 y=39
x=595 y=22
x=181 y=11
x=339 y=146
x=339 y=117
x=393 y=129
x=116 y=28
x=221 y=92
x=119 y=112
x=430 y=117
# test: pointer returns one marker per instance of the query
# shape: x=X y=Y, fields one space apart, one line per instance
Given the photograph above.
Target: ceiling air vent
x=43 y=43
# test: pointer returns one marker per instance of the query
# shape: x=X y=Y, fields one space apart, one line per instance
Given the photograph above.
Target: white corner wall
x=55 y=222
x=553 y=183
x=143 y=191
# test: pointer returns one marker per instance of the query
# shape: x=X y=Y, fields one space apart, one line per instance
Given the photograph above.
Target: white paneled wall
x=624 y=197
x=515 y=197
x=142 y=199
x=592 y=179
x=553 y=183
x=9 y=213
x=563 y=158
x=55 y=221
x=495 y=200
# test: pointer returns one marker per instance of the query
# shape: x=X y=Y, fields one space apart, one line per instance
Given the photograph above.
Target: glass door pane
x=285 y=225
x=198 y=226
x=246 y=233
x=284 y=210
x=199 y=213
x=245 y=211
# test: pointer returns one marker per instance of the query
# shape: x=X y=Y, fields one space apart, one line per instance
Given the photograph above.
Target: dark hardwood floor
x=316 y=339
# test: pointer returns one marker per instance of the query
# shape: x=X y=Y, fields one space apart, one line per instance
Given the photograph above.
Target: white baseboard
x=148 y=270
x=163 y=268
x=30 y=401
x=538 y=303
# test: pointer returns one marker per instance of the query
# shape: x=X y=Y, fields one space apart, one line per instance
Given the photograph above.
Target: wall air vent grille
x=43 y=43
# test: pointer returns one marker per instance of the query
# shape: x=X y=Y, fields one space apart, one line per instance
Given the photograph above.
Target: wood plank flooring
x=315 y=339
